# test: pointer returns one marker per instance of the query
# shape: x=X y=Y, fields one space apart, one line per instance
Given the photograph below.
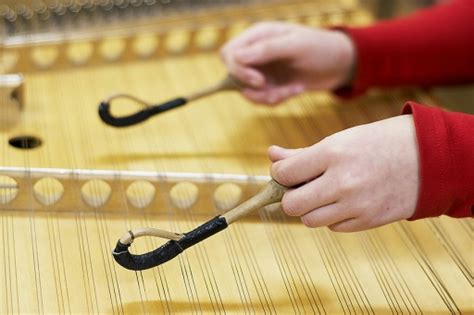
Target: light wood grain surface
x=55 y=261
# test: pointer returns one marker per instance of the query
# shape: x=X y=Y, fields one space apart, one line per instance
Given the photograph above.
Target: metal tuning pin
x=67 y=15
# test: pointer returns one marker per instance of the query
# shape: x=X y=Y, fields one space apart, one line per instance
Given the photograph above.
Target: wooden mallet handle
x=271 y=193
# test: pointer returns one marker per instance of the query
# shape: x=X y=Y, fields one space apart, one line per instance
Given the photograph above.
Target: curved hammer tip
x=120 y=248
x=103 y=105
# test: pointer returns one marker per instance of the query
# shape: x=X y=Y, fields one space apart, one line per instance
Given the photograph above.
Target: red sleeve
x=446 y=152
x=431 y=47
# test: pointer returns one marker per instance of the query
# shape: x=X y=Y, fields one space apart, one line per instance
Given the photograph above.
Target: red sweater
x=431 y=47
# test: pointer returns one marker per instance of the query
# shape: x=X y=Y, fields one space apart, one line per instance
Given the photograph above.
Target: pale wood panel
x=60 y=262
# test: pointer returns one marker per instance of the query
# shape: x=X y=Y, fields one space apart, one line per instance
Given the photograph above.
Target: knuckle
x=346 y=187
x=334 y=150
x=349 y=183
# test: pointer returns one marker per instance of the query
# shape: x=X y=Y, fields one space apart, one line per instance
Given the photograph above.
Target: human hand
x=277 y=60
x=354 y=180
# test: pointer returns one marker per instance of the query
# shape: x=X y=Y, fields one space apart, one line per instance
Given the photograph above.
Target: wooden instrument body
x=56 y=258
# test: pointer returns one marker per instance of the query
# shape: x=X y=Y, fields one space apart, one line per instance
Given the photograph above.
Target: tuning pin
x=10 y=15
x=41 y=11
x=60 y=9
x=136 y=3
x=24 y=18
x=9 y=18
x=75 y=8
x=4 y=11
x=88 y=5
x=122 y=4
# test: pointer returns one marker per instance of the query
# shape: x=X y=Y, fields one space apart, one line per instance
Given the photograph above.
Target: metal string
x=209 y=280
x=427 y=267
x=441 y=233
x=292 y=269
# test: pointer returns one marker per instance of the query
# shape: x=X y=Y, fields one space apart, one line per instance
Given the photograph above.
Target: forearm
x=431 y=47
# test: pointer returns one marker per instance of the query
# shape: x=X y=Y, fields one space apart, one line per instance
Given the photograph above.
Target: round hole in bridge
x=48 y=190
x=44 y=57
x=112 y=49
x=96 y=192
x=8 y=62
x=140 y=193
x=79 y=53
x=25 y=142
x=227 y=196
x=177 y=41
x=145 y=45
x=8 y=189
x=184 y=195
x=207 y=38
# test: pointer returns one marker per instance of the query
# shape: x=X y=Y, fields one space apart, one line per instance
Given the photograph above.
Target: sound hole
x=25 y=142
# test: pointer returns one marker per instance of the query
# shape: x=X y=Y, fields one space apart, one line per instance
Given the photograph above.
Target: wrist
x=346 y=62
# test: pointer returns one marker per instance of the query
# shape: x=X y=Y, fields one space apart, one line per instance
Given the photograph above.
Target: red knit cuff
x=373 y=65
x=442 y=189
x=430 y=47
x=362 y=73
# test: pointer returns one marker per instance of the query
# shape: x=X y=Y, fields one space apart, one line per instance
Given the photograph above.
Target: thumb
x=266 y=51
x=276 y=153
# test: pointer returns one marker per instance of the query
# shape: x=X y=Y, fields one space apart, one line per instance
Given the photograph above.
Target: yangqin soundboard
x=70 y=186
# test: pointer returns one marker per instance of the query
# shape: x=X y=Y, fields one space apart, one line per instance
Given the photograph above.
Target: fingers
x=325 y=216
x=266 y=50
x=254 y=34
x=247 y=75
x=314 y=195
x=318 y=202
x=276 y=153
x=350 y=225
x=273 y=95
x=300 y=168
x=336 y=218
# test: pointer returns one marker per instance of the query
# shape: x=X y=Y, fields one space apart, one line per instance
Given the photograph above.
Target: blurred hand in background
x=278 y=60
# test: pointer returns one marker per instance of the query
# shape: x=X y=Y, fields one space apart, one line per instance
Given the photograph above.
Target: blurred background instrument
x=69 y=184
